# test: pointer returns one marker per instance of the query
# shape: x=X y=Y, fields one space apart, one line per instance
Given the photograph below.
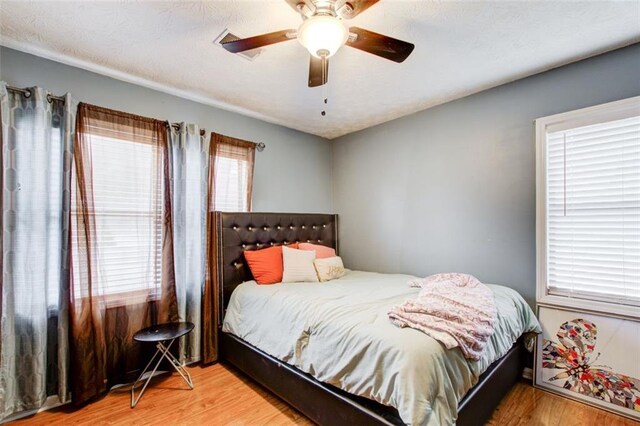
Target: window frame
x=229 y=148
x=582 y=117
x=110 y=297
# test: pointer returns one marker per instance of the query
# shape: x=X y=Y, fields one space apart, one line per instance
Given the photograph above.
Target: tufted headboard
x=236 y=232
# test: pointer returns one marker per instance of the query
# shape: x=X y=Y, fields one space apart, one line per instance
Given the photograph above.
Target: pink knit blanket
x=456 y=309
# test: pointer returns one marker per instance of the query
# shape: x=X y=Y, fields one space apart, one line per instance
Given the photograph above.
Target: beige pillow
x=329 y=268
x=298 y=266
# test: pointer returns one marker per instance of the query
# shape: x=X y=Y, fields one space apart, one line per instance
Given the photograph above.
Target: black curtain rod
x=27 y=94
x=50 y=98
x=176 y=126
x=259 y=146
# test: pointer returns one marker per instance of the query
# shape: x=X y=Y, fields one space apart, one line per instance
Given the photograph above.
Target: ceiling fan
x=322 y=32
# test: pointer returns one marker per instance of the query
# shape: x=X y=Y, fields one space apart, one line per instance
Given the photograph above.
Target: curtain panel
x=231 y=164
x=36 y=141
x=122 y=276
x=189 y=161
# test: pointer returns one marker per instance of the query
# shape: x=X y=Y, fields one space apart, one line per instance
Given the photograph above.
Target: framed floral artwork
x=591 y=358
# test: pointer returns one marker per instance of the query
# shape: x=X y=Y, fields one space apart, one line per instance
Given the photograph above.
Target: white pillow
x=298 y=265
x=329 y=268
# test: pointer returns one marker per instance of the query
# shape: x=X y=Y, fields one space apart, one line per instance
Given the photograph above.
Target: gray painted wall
x=452 y=188
x=293 y=174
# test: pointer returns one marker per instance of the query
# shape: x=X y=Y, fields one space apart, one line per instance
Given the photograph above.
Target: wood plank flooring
x=224 y=396
x=526 y=405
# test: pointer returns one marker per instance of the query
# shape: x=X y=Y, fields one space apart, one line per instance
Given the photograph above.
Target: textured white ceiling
x=461 y=47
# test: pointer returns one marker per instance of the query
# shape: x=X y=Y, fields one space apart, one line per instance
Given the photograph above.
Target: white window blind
x=593 y=212
x=53 y=207
x=233 y=174
x=128 y=198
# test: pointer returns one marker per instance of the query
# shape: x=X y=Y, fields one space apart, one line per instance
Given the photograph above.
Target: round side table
x=163 y=335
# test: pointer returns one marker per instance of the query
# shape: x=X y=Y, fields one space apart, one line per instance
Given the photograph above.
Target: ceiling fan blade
x=354 y=8
x=318 y=71
x=250 y=43
x=380 y=45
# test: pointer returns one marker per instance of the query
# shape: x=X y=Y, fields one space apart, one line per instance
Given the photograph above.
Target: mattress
x=339 y=333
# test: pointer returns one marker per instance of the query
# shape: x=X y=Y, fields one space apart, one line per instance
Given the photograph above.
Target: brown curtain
x=122 y=251
x=231 y=165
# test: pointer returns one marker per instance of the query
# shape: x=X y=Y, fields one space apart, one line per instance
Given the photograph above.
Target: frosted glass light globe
x=322 y=34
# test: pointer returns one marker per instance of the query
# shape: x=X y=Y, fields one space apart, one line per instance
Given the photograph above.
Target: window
x=234 y=160
x=53 y=206
x=36 y=203
x=125 y=199
x=231 y=184
x=588 y=210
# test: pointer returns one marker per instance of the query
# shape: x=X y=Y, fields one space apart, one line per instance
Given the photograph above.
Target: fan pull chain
x=324 y=100
x=325 y=83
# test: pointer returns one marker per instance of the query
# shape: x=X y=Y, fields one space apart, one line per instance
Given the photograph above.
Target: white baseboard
x=527 y=373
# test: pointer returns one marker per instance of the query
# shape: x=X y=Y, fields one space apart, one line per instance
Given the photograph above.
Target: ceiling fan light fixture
x=322 y=35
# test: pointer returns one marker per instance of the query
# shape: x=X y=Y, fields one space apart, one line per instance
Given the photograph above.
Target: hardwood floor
x=526 y=405
x=224 y=396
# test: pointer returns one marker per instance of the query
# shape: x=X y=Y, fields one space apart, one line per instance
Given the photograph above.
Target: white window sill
x=592 y=306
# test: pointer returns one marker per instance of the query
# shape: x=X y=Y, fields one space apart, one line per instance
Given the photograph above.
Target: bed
x=334 y=356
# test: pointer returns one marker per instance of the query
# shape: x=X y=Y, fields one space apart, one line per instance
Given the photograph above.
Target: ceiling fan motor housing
x=340 y=8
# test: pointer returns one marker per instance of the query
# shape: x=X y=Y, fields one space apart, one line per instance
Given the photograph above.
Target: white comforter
x=339 y=332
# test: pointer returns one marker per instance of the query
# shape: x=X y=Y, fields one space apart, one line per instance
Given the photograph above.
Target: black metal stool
x=159 y=334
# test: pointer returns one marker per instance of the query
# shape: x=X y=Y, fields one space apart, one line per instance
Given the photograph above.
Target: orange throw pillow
x=265 y=264
x=322 y=252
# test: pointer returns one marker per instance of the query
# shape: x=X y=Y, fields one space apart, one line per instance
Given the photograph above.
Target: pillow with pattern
x=329 y=268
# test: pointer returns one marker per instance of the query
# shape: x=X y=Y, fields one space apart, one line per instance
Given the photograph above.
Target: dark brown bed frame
x=320 y=402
